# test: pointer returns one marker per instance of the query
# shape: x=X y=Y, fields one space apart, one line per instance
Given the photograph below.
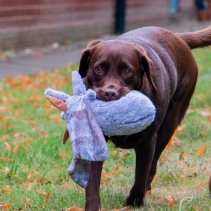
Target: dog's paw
x=134 y=201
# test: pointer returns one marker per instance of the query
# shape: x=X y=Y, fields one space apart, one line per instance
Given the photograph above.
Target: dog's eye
x=128 y=72
x=98 y=69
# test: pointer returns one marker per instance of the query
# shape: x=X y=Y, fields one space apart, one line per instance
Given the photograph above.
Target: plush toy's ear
x=57 y=103
x=146 y=66
x=84 y=62
x=79 y=87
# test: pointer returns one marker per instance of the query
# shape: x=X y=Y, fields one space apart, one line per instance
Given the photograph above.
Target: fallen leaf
x=27 y=205
x=148 y=193
x=183 y=166
x=16 y=148
x=5 y=206
x=67 y=185
x=74 y=209
x=202 y=150
x=46 y=195
x=169 y=145
x=105 y=183
x=113 y=151
x=7 y=125
x=179 y=130
x=203 y=132
x=116 y=171
x=63 y=154
x=6 y=190
x=184 y=154
x=8 y=147
x=32 y=123
x=123 y=153
x=170 y=201
x=30 y=176
x=125 y=208
x=176 y=142
x=29 y=185
x=5 y=137
x=200 y=187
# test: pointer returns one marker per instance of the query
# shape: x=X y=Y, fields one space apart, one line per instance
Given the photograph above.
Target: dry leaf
x=74 y=209
x=29 y=185
x=105 y=183
x=30 y=176
x=7 y=125
x=5 y=206
x=8 y=147
x=46 y=195
x=170 y=201
x=200 y=187
x=5 y=137
x=176 y=142
x=6 y=190
x=184 y=154
x=183 y=166
x=16 y=148
x=203 y=132
x=32 y=123
x=125 y=208
x=27 y=205
x=67 y=185
x=63 y=154
x=202 y=150
x=1 y=118
x=148 y=193
x=179 y=130
x=169 y=145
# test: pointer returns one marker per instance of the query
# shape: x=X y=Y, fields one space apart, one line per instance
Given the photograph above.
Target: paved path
x=57 y=57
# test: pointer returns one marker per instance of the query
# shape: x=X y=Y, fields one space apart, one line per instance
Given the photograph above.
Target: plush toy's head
x=88 y=119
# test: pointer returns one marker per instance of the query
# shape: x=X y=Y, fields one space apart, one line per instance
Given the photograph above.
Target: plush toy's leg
x=93 y=188
x=144 y=155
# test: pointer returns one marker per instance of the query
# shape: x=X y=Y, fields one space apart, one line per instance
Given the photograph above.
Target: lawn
x=34 y=162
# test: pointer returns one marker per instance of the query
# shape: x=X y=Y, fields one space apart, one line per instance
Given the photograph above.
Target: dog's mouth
x=111 y=94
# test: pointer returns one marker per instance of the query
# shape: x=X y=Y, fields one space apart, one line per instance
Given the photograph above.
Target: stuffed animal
x=89 y=119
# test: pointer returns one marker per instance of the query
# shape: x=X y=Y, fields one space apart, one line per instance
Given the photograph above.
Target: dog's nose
x=110 y=94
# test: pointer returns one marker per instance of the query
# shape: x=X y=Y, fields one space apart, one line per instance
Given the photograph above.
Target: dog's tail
x=197 y=39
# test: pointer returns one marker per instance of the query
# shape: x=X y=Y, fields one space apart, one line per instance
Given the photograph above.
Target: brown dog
x=160 y=64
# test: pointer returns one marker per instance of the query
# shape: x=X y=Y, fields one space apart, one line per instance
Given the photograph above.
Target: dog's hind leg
x=176 y=111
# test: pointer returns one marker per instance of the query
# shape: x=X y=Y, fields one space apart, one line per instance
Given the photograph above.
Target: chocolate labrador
x=159 y=64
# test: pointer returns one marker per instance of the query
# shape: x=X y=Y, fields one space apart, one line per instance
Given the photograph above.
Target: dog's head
x=114 y=68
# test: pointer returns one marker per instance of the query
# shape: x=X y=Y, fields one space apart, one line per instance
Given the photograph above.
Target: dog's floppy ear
x=84 y=62
x=147 y=66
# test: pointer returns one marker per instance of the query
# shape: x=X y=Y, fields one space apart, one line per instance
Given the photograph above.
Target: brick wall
x=25 y=23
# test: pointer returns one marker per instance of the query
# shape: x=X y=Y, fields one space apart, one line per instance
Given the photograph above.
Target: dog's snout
x=110 y=94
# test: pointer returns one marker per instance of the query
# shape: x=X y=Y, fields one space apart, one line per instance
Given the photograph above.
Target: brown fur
x=160 y=64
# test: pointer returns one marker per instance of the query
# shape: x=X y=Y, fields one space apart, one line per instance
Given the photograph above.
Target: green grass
x=34 y=162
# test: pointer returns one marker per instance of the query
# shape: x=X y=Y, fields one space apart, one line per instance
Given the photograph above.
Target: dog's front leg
x=93 y=187
x=144 y=155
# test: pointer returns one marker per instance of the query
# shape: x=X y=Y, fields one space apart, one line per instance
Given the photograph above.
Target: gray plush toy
x=89 y=119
